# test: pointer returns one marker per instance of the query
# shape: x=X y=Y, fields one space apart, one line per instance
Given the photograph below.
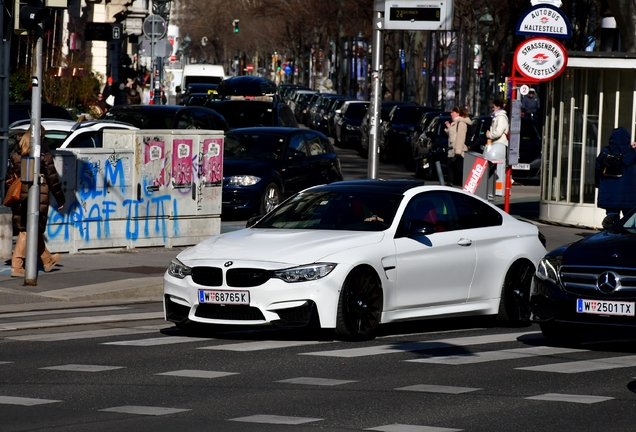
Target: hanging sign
x=540 y=58
x=544 y=20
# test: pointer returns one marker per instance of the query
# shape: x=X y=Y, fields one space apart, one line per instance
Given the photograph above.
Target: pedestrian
x=530 y=105
x=616 y=194
x=133 y=93
x=500 y=126
x=50 y=183
x=457 y=130
x=108 y=91
x=101 y=105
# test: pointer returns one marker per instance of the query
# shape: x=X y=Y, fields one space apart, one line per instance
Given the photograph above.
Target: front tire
x=270 y=198
x=360 y=305
x=514 y=305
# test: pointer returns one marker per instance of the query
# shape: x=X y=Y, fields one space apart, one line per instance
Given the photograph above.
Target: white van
x=200 y=73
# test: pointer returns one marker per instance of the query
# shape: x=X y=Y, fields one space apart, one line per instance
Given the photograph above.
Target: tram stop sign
x=154 y=26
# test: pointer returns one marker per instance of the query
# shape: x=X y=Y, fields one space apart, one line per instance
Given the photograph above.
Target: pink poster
x=212 y=169
x=154 y=160
x=153 y=150
x=182 y=163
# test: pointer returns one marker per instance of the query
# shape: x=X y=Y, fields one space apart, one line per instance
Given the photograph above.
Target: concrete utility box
x=143 y=188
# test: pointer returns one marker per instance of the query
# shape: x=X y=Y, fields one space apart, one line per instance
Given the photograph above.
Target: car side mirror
x=178 y=89
x=609 y=221
x=414 y=227
x=253 y=220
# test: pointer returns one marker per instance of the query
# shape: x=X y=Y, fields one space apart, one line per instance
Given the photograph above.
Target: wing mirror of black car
x=253 y=220
x=609 y=221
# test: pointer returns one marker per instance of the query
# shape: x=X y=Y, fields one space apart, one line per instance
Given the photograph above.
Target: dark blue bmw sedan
x=263 y=165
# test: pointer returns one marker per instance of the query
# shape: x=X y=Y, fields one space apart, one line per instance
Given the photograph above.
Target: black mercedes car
x=261 y=166
x=588 y=285
x=167 y=117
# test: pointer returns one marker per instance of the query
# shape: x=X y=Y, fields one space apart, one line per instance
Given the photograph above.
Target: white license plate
x=525 y=167
x=224 y=297
x=600 y=307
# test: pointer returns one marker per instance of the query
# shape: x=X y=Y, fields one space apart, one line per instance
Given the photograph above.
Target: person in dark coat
x=51 y=184
x=616 y=194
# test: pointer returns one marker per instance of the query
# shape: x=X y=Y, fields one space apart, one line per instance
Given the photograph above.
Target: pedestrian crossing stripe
x=167 y=340
x=275 y=419
x=488 y=356
x=585 y=365
x=260 y=345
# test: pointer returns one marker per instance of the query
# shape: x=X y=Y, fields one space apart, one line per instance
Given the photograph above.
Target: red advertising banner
x=476 y=174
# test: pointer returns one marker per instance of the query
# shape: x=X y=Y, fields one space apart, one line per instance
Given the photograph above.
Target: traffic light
x=235 y=23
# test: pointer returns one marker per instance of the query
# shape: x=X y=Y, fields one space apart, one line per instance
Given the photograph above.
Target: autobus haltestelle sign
x=540 y=58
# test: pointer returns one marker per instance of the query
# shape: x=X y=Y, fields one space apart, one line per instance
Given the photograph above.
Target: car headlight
x=178 y=269
x=305 y=273
x=548 y=268
x=243 y=180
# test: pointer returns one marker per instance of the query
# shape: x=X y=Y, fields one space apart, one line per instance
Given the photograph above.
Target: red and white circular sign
x=540 y=58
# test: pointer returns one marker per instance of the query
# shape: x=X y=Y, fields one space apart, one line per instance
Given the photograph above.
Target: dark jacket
x=618 y=193
x=51 y=184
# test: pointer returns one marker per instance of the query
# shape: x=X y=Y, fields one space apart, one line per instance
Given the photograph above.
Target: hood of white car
x=278 y=245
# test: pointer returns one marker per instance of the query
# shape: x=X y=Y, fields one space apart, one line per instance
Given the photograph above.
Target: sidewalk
x=128 y=276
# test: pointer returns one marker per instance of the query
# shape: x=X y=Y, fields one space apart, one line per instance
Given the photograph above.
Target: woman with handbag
x=50 y=183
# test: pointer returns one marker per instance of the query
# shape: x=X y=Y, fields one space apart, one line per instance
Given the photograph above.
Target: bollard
x=6 y=232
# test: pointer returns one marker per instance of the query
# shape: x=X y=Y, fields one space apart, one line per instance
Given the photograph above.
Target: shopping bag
x=13 y=191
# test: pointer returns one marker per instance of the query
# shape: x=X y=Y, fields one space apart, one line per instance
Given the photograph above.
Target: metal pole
x=5 y=50
x=376 y=100
x=33 y=200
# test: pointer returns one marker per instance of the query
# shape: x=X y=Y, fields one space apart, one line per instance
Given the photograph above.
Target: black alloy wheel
x=514 y=305
x=270 y=198
x=360 y=305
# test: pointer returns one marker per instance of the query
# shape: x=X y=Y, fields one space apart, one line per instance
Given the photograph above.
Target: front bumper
x=549 y=303
x=273 y=302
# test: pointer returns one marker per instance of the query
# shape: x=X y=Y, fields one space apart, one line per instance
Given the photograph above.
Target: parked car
x=22 y=111
x=197 y=99
x=397 y=130
x=587 y=286
x=263 y=165
x=328 y=126
x=385 y=110
x=353 y=255
x=430 y=147
x=167 y=117
x=317 y=111
x=56 y=131
x=423 y=123
x=347 y=133
x=528 y=168
x=303 y=104
x=195 y=88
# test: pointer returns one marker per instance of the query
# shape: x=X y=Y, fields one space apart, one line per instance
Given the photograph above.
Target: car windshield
x=529 y=131
x=240 y=114
x=334 y=210
x=142 y=119
x=254 y=146
x=356 y=110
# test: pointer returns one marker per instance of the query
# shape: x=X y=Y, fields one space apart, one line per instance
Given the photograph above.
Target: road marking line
x=57 y=322
x=198 y=373
x=427 y=345
x=274 y=419
x=86 y=334
x=411 y=428
x=261 y=345
x=13 y=400
x=488 y=356
x=315 y=381
x=558 y=397
x=167 y=340
x=585 y=365
x=144 y=410
x=438 y=389
x=62 y=311
x=83 y=368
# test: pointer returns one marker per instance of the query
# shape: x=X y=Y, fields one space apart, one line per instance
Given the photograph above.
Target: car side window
x=473 y=213
x=85 y=140
x=314 y=145
x=297 y=143
x=193 y=120
x=215 y=122
x=436 y=208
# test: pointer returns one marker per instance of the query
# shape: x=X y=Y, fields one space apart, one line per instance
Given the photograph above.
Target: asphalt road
x=424 y=376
